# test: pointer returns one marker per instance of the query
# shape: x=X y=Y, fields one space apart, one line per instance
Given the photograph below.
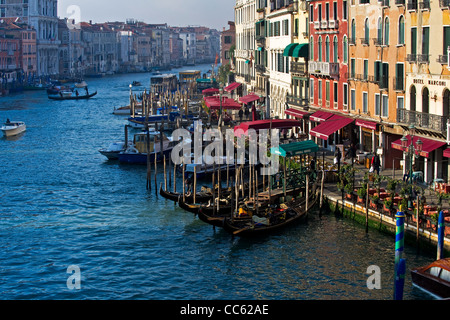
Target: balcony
x=333 y=24
x=383 y=83
x=327 y=69
x=297 y=101
x=260 y=68
x=423 y=120
x=377 y=41
x=352 y=41
x=442 y=59
x=260 y=40
x=298 y=67
x=411 y=58
x=324 y=24
x=423 y=58
x=316 y=24
x=365 y=41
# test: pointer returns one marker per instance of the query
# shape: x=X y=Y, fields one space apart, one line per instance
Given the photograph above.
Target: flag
x=217 y=58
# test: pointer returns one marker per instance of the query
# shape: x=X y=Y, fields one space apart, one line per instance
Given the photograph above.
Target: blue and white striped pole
x=399 y=245
x=440 y=242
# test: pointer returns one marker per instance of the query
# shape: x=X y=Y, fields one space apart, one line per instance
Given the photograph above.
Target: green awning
x=295 y=148
x=289 y=49
x=301 y=50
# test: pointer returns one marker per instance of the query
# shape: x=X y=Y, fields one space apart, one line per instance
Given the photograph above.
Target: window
x=335 y=92
x=345 y=49
x=311 y=13
x=327 y=11
x=345 y=95
x=385 y=106
x=311 y=48
x=327 y=49
x=377 y=104
x=319 y=12
x=446 y=40
x=311 y=88
x=386 y=31
x=366 y=69
x=2 y=12
x=400 y=102
x=319 y=45
x=366 y=31
x=344 y=10
x=335 y=49
x=335 y=15
x=320 y=89
x=327 y=91
x=365 y=102
x=399 y=74
x=401 y=30
x=425 y=40
x=352 y=68
x=353 y=99
x=286 y=27
x=413 y=40
x=353 y=34
x=379 y=32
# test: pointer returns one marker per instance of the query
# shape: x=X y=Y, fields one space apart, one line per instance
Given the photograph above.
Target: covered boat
x=434 y=278
x=13 y=128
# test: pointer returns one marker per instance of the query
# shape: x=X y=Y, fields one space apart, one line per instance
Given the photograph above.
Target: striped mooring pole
x=400 y=264
x=440 y=242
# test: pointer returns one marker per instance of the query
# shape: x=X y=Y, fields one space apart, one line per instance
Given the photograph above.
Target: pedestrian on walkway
x=376 y=163
x=337 y=158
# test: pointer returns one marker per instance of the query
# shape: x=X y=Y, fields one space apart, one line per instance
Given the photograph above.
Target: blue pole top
x=400 y=214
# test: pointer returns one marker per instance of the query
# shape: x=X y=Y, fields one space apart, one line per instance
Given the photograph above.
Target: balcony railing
x=298 y=67
x=411 y=58
x=316 y=24
x=324 y=24
x=423 y=58
x=297 y=101
x=352 y=41
x=333 y=24
x=377 y=41
x=442 y=59
x=365 y=41
x=323 y=68
x=423 y=120
x=400 y=2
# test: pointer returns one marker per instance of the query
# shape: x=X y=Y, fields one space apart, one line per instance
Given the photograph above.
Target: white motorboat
x=13 y=128
x=113 y=150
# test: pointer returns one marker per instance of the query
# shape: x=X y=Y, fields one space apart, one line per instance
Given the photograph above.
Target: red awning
x=210 y=90
x=366 y=124
x=296 y=113
x=320 y=116
x=243 y=128
x=427 y=146
x=232 y=86
x=330 y=126
x=447 y=153
x=227 y=103
x=249 y=98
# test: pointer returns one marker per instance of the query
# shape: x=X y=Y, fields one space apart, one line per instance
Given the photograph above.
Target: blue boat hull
x=141 y=158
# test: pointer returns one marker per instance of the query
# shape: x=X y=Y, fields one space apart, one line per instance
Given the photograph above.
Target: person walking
x=337 y=159
x=376 y=163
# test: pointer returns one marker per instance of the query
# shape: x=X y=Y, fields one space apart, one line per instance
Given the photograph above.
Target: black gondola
x=59 y=97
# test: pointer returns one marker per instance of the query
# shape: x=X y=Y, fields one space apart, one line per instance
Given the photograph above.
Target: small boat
x=433 y=278
x=272 y=219
x=201 y=197
x=70 y=96
x=113 y=150
x=136 y=84
x=137 y=152
x=13 y=128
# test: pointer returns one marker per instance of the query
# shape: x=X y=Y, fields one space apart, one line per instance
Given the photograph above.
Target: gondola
x=273 y=219
x=224 y=207
x=200 y=197
x=72 y=97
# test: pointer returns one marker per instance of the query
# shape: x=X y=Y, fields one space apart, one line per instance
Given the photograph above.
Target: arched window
x=379 y=31
x=401 y=30
x=412 y=98
x=311 y=48
x=319 y=49
x=335 y=49
x=366 y=31
x=345 y=49
x=353 y=34
x=386 y=31
x=327 y=49
x=446 y=103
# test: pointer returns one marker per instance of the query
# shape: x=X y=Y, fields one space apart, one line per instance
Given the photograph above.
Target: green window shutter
x=425 y=40
x=446 y=39
x=413 y=40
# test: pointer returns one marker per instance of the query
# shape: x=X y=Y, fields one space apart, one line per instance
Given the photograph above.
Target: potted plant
x=348 y=188
x=362 y=192
x=374 y=202
x=387 y=205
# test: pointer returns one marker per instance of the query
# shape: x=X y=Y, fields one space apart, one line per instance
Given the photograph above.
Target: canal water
x=63 y=204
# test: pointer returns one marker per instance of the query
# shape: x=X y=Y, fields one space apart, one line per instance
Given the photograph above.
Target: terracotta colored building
x=227 y=40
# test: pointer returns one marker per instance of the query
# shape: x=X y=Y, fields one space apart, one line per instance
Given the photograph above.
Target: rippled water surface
x=63 y=204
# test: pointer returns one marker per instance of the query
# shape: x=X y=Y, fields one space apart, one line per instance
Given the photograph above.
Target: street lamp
x=412 y=151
